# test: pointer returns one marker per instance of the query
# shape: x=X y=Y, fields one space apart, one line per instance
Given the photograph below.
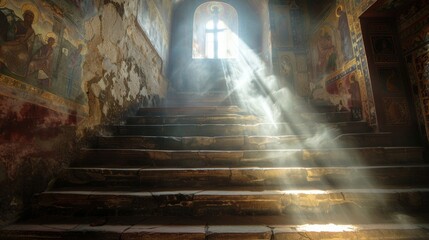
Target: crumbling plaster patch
x=121 y=68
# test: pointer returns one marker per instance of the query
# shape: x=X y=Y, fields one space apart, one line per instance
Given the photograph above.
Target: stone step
x=265 y=158
x=216 y=203
x=193 y=100
x=112 y=230
x=214 y=118
x=320 y=177
x=324 y=116
x=211 y=228
x=199 y=110
x=318 y=130
x=186 y=119
x=242 y=142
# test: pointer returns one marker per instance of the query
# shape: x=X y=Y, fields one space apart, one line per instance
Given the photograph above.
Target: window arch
x=215 y=31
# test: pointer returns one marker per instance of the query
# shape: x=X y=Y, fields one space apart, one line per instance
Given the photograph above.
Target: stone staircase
x=217 y=172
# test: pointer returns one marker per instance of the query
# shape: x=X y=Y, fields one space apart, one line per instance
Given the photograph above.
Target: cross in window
x=215 y=29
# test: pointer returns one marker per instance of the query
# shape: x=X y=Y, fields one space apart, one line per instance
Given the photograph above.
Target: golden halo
x=33 y=9
x=3 y=3
x=338 y=9
x=212 y=5
x=51 y=35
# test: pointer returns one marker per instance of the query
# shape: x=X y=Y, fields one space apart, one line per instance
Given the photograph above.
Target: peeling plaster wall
x=35 y=143
x=122 y=70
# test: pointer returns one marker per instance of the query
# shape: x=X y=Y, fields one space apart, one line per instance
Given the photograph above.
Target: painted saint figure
x=41 y=60
x=15 y=53
x=327 y=62
x=74 y=69
x=356 y=99
x=343 y=27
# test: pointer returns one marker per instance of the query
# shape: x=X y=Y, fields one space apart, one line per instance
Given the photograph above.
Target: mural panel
x=331 y=43
x=153 y=16
x=42 y=47
x=337 y=51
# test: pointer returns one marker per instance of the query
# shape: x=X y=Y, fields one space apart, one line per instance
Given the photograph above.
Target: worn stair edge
x=242 y=117
x=288 y=157
x=209 y=203
x=243 y=142
x=316 y=129
x=209 y=232
x=189 y=110
x=355 y=177
x=203 y=119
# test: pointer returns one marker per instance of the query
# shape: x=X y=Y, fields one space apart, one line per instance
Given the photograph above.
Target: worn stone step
x=186 y=119
x=203 y=231
x=216 y=203
x=318 y=130
x=199 y=110
x=243 y=142
x=320 y=177
x=325 y=116
x=198 y=99
x=282 y=157
x=213 y=118
x=363 y=140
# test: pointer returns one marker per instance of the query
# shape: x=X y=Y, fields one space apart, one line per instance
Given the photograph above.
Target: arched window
x=215 y=31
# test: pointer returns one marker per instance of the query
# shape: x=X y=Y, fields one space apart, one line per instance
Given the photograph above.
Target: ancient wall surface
x=35 y=144
x=124 y=69
x=42 y=50
x=288 y=25
x=414 y=34
x=339 y=69
x=67 y=68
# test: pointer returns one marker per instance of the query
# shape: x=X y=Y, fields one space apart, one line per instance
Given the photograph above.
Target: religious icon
x=343 y=28
x=17 y=39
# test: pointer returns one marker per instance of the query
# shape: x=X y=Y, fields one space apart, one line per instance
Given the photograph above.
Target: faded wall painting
x=331 y=43
x=340 y=74
x=42 y=47
x=153 y=17
x=289 y=45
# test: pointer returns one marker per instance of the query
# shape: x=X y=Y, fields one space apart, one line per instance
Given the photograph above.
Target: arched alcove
x=196 y=72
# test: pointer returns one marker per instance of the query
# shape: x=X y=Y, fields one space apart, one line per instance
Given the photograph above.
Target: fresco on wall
x=332 y=44
x=152 y=17
x=345 y=91
x=42 y=48
x=337 y=56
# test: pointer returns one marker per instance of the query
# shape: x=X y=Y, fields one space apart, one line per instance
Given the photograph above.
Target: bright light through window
x=215 y=31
